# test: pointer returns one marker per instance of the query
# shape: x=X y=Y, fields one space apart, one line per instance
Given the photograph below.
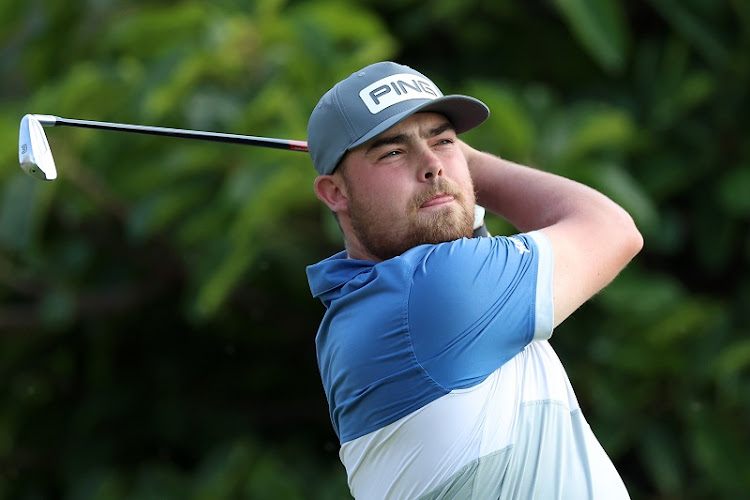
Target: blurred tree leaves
x=602 y=27
x=158 y=331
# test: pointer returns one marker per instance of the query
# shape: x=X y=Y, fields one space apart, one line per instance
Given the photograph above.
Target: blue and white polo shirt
x=441 y=382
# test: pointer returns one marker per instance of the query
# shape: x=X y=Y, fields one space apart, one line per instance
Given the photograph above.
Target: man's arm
x=592 y=237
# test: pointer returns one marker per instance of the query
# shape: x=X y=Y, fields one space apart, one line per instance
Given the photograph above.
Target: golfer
x=433 y=350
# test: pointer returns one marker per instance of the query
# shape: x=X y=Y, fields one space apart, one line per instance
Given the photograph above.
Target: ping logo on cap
x=397 y=88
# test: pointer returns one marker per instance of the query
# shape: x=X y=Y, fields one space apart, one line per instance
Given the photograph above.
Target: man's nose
x=430 y=166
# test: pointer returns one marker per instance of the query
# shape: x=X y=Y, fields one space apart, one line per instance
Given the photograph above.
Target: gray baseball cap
x=374 y=99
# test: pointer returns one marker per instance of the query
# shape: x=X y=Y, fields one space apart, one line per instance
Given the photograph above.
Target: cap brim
x=464 y=113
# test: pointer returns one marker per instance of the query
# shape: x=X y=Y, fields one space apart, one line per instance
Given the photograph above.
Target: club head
x=34 y=153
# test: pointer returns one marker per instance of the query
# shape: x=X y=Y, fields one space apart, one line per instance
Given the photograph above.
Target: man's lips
x=438 y=200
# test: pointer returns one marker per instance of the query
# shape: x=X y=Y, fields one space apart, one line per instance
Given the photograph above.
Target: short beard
x=381 y=239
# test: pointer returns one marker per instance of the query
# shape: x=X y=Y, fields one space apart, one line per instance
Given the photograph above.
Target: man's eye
x=390 y=154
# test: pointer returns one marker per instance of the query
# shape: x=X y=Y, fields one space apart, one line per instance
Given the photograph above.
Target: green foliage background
x=156 y=326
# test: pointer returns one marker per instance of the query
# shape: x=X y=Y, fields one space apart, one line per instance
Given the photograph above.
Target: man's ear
x=330 y=190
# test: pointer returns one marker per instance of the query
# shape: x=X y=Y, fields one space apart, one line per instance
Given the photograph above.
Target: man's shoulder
x=439 y=261
x=455 y=249
x=474 y=249
x=473 y=266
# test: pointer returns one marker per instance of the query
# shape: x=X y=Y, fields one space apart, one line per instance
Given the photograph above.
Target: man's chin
x=441 y=227
x=385 y=241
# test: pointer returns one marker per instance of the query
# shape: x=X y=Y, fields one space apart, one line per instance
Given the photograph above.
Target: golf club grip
x=266 y=142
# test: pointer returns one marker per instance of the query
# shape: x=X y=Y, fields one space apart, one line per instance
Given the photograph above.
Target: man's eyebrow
x=402 y=138
x=439 y=129
x=387 y=141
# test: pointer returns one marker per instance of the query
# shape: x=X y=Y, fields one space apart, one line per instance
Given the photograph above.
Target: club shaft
x=248 y=140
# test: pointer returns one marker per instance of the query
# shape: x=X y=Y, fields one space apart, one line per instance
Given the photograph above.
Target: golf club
x=36 y=159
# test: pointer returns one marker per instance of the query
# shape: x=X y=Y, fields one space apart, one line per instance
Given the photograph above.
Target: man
x=433 y=349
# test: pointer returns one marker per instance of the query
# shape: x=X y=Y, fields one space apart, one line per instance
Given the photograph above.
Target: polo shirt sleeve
x=476 y=303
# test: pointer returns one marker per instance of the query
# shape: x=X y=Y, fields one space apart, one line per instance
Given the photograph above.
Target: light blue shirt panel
x=472 y=308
